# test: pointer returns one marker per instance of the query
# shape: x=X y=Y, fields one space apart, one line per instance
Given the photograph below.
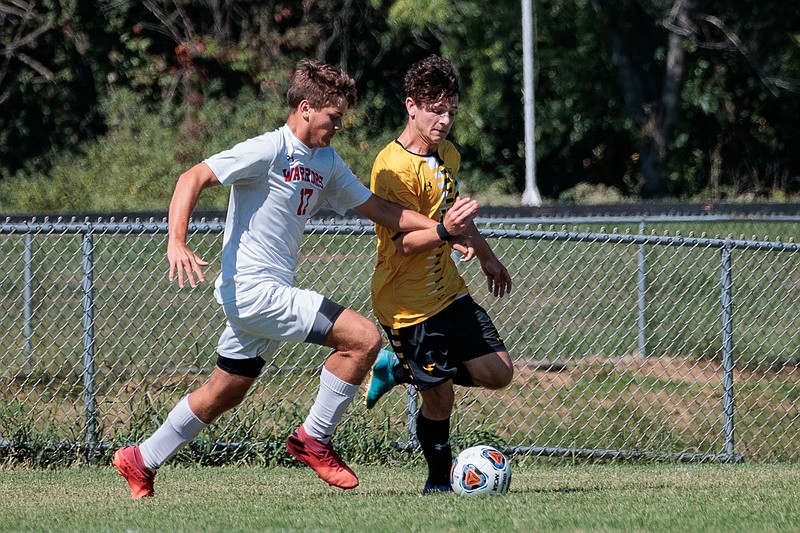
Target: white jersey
x=277 y=184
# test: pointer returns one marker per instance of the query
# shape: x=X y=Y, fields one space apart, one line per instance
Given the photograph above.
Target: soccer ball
x=480 y=471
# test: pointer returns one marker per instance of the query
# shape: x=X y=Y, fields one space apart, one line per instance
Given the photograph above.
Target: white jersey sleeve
x=245 y=162
x=347 y=192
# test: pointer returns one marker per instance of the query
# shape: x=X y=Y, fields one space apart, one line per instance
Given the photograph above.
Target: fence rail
x=627 y=345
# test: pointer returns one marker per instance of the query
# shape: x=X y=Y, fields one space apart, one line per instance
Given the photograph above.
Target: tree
x=653 y=46
x=651 y=97
x=48 y=69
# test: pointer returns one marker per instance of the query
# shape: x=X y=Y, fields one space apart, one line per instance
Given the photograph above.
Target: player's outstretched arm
x=182 y=261
x=417 y=239
x=397 y=218
x=497 y=276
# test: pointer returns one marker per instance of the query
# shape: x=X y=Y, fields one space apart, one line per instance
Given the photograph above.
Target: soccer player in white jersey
x=278 y=181
x=439 y=334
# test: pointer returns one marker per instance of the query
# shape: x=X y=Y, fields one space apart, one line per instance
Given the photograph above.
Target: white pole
x=531 y=194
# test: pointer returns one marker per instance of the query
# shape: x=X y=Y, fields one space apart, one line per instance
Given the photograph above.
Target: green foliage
x=134 y=167
x=54 y=55
x=360 y=143
x=487 y=51
x=67 y=64
x=587 y=194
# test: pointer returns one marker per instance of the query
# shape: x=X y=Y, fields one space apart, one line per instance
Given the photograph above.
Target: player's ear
x=411 y=107
x=304 y=108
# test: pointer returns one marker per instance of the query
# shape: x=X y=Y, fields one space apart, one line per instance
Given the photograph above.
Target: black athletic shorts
x=431 y=351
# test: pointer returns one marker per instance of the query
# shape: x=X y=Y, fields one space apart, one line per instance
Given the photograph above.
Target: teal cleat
x=381 y=379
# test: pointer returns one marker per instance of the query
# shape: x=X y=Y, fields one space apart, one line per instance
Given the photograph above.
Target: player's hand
x=185 y=263
x=497 y=276
x=464 y=245
x=460 y=214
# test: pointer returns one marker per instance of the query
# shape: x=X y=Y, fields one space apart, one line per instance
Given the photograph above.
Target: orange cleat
x=321 y=458
x=130 y=465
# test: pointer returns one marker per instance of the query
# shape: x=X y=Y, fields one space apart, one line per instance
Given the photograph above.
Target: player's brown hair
x=321 y=84
x=431 y=80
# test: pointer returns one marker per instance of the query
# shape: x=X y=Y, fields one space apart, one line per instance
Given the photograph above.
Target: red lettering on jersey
x=305 y=198
x=303 y=174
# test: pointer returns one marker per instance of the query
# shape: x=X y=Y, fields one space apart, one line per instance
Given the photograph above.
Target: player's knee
x=505 y=376
x=501 y=376
x=372 y=345
x=367 y=341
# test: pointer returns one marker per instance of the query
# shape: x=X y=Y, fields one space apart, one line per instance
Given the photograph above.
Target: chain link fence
x=626 y=343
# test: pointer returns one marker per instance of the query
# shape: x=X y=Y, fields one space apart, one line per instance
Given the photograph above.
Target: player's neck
x=415 y=143
x=299 y=129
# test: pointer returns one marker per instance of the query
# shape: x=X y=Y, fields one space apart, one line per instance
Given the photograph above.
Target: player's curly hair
x=321 y=84
x=431 y=80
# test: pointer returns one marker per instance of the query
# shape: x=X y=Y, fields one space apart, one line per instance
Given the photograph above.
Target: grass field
x=656 y=497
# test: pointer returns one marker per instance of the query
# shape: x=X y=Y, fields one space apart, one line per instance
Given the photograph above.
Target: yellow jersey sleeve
x=407 y=290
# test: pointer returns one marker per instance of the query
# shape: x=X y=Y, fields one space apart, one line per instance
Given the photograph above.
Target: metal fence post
x=727 y=347
x=27 y=308
x=641 y=294
x=88 y=343
x=412 y=416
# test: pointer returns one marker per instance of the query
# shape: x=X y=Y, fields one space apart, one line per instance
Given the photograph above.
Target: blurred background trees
x=104 y=102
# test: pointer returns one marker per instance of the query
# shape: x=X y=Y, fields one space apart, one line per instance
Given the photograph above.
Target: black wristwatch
x=442 y=232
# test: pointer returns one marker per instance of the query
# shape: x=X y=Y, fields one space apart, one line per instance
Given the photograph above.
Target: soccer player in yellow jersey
x=440 y=336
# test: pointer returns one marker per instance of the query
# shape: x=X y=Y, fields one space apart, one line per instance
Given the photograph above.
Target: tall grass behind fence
x=627 y=344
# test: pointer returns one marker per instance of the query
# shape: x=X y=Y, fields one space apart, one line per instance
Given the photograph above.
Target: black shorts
x=430 y=352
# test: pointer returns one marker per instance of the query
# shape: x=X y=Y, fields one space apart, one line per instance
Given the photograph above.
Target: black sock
x=434 y=438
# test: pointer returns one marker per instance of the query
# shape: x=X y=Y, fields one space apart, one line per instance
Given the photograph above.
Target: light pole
x=531 y=194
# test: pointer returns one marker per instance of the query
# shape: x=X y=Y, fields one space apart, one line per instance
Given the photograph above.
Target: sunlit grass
x=680 y=498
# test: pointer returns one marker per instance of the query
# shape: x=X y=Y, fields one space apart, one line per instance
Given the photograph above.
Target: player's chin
x=438 y=136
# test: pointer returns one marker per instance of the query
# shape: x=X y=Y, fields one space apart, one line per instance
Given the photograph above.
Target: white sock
x=180 y=427
x=332 y=400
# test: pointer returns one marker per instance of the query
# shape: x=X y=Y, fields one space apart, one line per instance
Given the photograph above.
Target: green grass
x=680 y=498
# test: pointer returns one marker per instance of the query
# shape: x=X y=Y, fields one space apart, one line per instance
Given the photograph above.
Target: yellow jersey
x=407 y=290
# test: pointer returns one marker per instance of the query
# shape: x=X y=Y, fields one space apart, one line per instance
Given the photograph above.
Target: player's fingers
x=468 y=210
x=461 y=200
x=464 y=208
x=199 y=272
x=180 y=276
x=189 y=268
x=467 y=252
x=506 y=284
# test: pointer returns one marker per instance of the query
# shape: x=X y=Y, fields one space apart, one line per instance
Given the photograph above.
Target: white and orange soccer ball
x=480 y=471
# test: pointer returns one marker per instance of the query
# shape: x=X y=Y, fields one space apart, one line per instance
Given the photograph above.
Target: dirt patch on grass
x=670 y=369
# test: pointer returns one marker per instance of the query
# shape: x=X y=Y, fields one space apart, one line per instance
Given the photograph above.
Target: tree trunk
x=652 y=100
